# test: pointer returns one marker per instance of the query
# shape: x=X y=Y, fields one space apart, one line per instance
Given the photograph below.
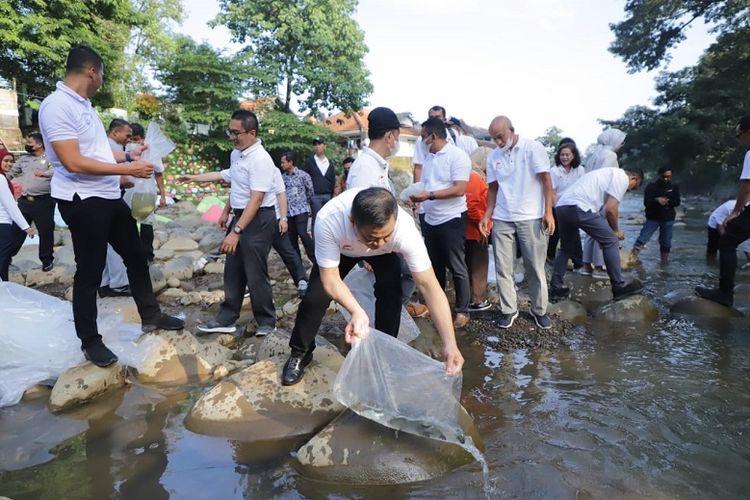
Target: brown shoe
x=461 y=320
x=417 y=310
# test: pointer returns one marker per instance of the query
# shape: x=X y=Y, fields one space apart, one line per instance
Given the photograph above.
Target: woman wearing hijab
x=9 y=214
x=603 y=155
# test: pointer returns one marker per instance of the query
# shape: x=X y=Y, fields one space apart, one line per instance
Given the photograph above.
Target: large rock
x=635 y=309
x=252 y=405
x=686 y=302
x=211 y=242
x=179 y=358
x=83 y=383
x=37 y=277
x=276 y=344
x=64 y=256
x=355 y=450
x=123 y=307
x=158 y=281
x=569 y=311
x=180 y=245
x=179 y=267
x=592 y=293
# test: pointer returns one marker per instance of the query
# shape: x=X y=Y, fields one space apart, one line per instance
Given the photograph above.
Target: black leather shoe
x=99 y=354
x=559 y=292
x=294 y=368
x=715 y=295
x=621 y=292
x=163 y=322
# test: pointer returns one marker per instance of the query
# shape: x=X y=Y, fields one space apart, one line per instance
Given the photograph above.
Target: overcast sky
x=541 y=62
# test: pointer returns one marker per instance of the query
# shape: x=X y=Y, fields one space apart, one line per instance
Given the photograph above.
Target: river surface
x=622 y=412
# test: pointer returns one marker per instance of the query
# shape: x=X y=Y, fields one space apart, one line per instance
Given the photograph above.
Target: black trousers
x=41 y=212
x=93 y=223
x=147 y=239
x=291 y=259
x=446 y=247
x=7 y=232
x=712 y=245
x=387 y=300
x=298 y=231
x=247 y=268
x=737 y=231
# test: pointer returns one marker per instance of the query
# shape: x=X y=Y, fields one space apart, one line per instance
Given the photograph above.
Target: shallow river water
x=622 y=412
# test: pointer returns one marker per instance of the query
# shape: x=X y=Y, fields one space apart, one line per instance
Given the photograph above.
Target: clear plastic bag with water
x=361 y=282
x=387 y=381
x=143 y=195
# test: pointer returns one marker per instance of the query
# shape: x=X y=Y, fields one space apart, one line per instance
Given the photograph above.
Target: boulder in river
x=83 y=383
x=252 y=405
x=177 y=357
x=686 y=302
x=569 y=310
x=635 y=309
x=355 y=450
x=277 y=344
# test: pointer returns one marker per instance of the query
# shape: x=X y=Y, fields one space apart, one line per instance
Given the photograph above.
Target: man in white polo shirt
x=519 y=202
x=252 y=201
x=366 y=225
x=371 y=167
x=86 y=186
x=580 y=207
x=445 y=175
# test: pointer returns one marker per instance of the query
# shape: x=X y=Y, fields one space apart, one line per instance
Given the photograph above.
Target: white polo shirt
x=278 y=188
x=520 y=194
x=369 y=170
x=562 y=179
x=467 y=143
x=591 y=190
x=65 y=115
x=721 y=213
x=439 y=171
x=335 y=236
x=745 y=175
x=251 y=169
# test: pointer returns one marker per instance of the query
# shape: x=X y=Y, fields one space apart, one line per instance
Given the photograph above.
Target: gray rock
x=179 y=358
x=687 y=303
x=158 y=281
x=276 y=344
x=214 y=268
x=179 y=267
x=569 y=311
x=123 y=307
x=64 y=256
x=635 y=309
x=83 y=383
x=252 y=405
x=211 y=241
x=180 y=245
x=355 y=450
x=173 y=282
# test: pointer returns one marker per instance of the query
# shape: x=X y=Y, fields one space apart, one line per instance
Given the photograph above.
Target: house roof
x=357 y=123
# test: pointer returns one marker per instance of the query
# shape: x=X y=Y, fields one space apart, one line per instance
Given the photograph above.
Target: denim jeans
x=648 y=230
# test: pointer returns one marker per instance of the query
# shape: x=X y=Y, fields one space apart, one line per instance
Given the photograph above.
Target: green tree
x=653 y=27
x=203 y=86
x=550 y=139
x=312 y=49
x=282 y=131
x=36 y=36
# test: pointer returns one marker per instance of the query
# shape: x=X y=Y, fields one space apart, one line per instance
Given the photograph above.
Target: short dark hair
x=117 y=123
x=435 y=126
x=288 y=156
x=573 y=149
x=248 y=119
x=664 y=169
x=636 y=172
x=565 y=140
x=80 y=58
x=36 y=136
x=439 y=108
x=373 y=207
x=137 y=129
x=744 y=123
x=348 y=159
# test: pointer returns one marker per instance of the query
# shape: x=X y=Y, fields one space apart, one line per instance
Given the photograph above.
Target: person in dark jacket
x=323 y=175
x=660 y=198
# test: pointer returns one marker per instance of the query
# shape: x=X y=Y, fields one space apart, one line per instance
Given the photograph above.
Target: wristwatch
x=236 y=229
x=432 y=196
x=284 y=219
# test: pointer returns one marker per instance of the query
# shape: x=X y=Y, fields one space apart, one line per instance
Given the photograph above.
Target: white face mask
x=508 y=144
x=395 y=148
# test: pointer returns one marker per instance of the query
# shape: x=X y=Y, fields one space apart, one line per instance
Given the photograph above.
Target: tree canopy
x=653 y=27
x=312 y=49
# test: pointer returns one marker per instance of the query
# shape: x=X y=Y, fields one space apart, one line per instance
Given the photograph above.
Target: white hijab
x=602 y=155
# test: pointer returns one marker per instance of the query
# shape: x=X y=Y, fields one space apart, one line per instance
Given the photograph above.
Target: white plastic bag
x=387 y=381
x=143 y=195
x=411 y=190
x=361 y=282
x=39 y=342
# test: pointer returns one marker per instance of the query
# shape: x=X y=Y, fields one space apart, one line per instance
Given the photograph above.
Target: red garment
x=476 y=205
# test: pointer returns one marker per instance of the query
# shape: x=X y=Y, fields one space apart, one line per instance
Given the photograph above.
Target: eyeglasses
x=235 y=133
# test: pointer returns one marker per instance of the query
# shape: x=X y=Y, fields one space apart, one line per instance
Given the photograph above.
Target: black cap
x=383 y=119
x=319 y=140
x=455 y=121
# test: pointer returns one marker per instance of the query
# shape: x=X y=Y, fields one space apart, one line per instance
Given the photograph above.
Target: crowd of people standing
x=463 y=203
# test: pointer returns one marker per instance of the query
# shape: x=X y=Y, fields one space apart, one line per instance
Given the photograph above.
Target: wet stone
x=83 y=383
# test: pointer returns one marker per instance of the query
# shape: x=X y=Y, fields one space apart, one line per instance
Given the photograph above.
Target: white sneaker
x=302 y=288
x=600 y=275
x=264 y=330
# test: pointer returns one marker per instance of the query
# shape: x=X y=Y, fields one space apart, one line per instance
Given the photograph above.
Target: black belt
x=27 y=197
x=238 y=211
